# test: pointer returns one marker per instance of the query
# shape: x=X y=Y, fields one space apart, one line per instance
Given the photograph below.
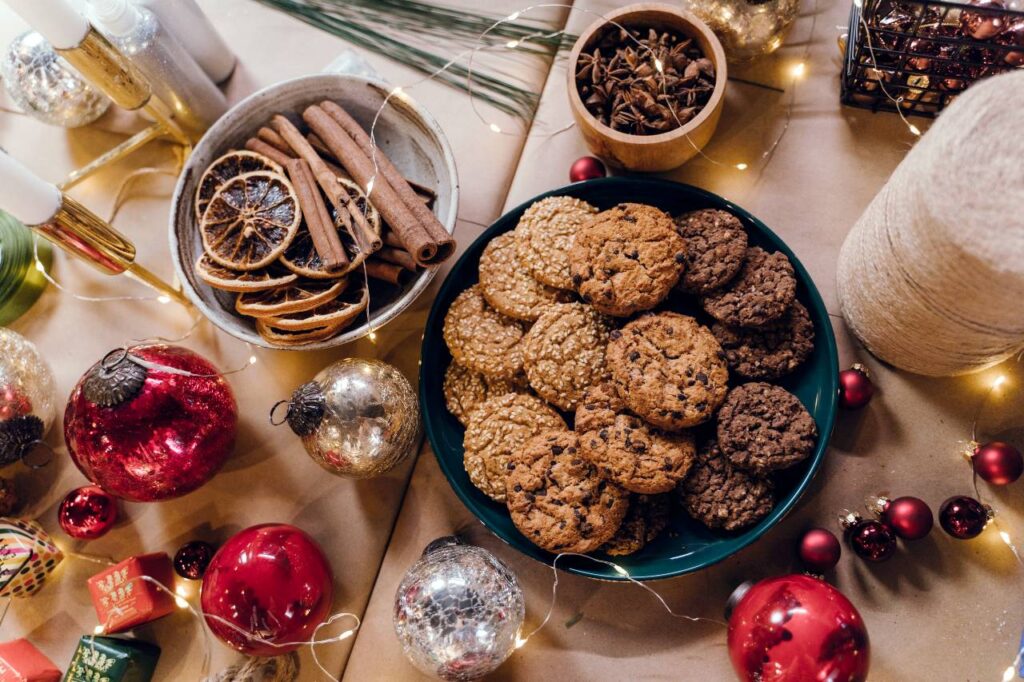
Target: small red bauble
x=963 y=517
x=87 y=512
x=192 y=559
x=909 y=517
x=273 y=583
x=998 y=463
x=855 y=387
x=586 y=168
x=983 y=26
x=796 y=627
x=871 y=540
x=820 y=549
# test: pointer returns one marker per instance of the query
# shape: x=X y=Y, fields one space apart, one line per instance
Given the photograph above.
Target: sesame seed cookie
x=721 y=496
x=716 y=245
x=483 y=339
x=509 y=287
x=762 y=291
x=544 y=237
x=627 y=259
x=557 y=499
x=646 y=518
x=497 y=429
x=771 y=351
x=466 y=389
x=764 y=428
x=627 y=450
x=564 y=353
x=668 y=369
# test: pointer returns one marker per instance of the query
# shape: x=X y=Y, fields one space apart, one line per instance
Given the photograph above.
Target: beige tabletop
x=940 y=610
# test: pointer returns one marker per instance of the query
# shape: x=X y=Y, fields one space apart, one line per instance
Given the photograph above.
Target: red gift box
x=124 y=600
x=20 y=661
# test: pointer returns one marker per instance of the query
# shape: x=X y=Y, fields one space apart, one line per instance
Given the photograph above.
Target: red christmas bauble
x=87 y=513
x=983 y=26
x=586 y=168
x=272 y=583
x=151 y=429
x=871 y=540
x=820 y=549
x=192 y=559
x=998 y=463
x=909 y=517
x=963 y=517
x=855 y=388
x=796 y=627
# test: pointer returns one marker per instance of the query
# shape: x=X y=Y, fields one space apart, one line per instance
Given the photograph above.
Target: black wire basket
x=918 y=55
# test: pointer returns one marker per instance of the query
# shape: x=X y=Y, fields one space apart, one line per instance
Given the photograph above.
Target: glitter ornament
x=357 y=418
x=192 y=559
x=87 y=512
x=964 y=517
x=151 y=423
x=746 y=28
x=46 y=87
x=28 y=395
x=871 y=540
x=458 y=611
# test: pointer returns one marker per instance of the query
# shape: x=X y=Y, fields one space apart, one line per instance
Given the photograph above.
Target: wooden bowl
x=405 y=131
x=663 y=151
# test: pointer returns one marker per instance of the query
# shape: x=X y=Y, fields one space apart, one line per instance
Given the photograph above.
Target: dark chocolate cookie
x=764 y=428
x=646 y=518
x=771 y=351
x=721 y=496
x=716 y=245
x=762 y=291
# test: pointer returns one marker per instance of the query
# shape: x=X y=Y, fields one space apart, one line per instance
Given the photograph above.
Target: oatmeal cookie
x=762 y=291
x=466 y=389
x=544 y=237
x=627 y=450
x=764 y=428
x=646 y=518
x=564 y=353
x=497 y=429
x=558 y=500
x=509 y=287
x=627 y=259
x=668 y=369
x=721 y=496
x=483 y=339
x=771 y=351
x=716 y=245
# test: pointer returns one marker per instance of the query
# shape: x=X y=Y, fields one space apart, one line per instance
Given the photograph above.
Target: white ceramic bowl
x=405 y=131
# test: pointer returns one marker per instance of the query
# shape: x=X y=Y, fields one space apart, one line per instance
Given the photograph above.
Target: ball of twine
x=931 y=278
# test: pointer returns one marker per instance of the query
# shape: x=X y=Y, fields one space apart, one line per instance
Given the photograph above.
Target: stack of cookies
x=592 y=407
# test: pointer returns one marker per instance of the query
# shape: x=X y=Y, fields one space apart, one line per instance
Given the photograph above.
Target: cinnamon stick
x=260 y=147
x=445 y=242
x=415 y=238
x=271 y=137
x=426 y=194
x=398 y=257
x=318 y=220
x=388 y=272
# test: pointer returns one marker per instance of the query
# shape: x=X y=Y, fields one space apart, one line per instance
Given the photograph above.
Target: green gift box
x=112 y=659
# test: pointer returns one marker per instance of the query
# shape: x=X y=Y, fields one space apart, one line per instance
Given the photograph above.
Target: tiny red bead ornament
x=998 y=463
x=872 y=540
x=87 y=512
x=586 y=168
x=192 y=559
x=820 y=549
x=963 y=517
x=855 y=387
x=909 y=517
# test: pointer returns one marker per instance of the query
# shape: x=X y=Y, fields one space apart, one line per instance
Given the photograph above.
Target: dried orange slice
x=231 y=165
x=341 y=311
x=280 y=337
x=290 y=299
x=251 y=220
x=226 y=279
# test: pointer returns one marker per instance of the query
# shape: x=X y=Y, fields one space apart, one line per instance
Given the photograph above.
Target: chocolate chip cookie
x=771 y=351
x=483 y=339
x=762 y=291
x=716 y=245
x=466 y=389
x=544 y=237
x=509 y=287
x=499 y=428
x=764 y=428
x=627 y=450
x=646 y=518
x=627 y=259
x=564 y=353
x=721 y=496
x=668 y=369
x=558 y=500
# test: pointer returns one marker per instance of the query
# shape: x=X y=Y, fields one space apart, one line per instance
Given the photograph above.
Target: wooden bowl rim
x=678 y=15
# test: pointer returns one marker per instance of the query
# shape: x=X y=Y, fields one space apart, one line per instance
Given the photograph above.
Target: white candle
x=58 y=20
x=25 y=196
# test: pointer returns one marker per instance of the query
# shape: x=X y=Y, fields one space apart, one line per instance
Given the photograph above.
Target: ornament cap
x=877 y=504
x=17 y=436
x=737 y=596
x=858 y=367
x=115 y=380
x=848 y=519
x=443 y=543
x=306 y=409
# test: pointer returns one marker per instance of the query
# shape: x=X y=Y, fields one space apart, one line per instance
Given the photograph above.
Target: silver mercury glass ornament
x=357 y=418
x=28 y=397
x=46 y=87
x=458 y=611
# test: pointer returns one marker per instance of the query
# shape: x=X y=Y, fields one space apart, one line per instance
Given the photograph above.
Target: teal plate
x=686 y=546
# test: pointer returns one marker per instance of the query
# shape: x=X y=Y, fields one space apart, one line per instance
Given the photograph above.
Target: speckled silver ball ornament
x=458 y=611
x=28 y=396
x=357 y=418
x=46 y=87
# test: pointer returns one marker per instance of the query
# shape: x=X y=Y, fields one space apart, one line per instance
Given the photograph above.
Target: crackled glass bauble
x=747 y=28
x=458 y=611
x=46 y=87
x=28 y=396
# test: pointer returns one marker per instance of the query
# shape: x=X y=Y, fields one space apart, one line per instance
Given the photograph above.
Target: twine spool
x=931 y=278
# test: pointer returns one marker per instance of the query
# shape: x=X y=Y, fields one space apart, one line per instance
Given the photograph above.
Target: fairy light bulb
x=252 y=359
x=799 y=70
x=512 y=44
x=513 y=16
x=659 y=67
x=914 y=130
x=999 y=381
x=163 y=298
x=1008 y=674
x=98 y=630
x=494 y=128
x=372 y=336
x=742 y=166
x=1006 y=538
